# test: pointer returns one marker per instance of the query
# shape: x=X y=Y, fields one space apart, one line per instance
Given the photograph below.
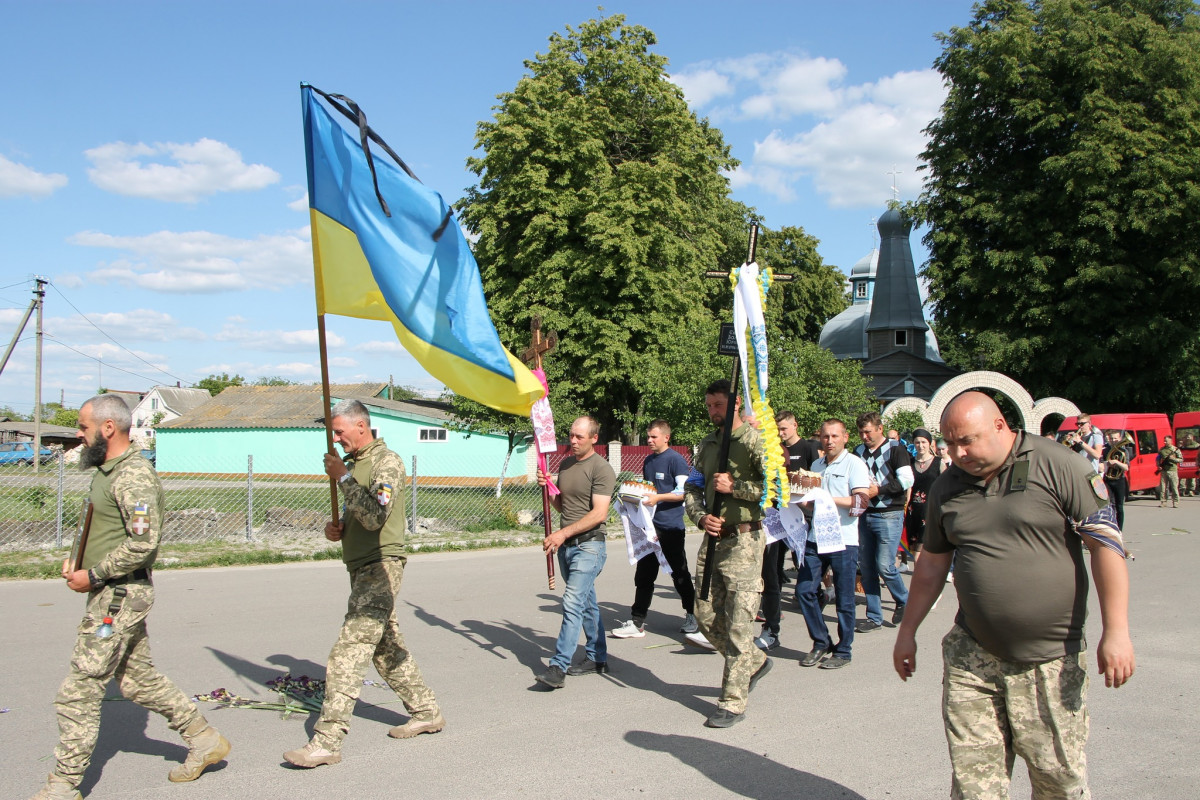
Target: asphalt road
x=481 y=625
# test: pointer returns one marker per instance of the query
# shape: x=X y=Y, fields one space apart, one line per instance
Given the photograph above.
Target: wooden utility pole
x=539 y=346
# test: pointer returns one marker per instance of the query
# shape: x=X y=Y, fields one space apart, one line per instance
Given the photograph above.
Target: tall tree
x=598 y=209
x=1062 y=198
x=215 y=384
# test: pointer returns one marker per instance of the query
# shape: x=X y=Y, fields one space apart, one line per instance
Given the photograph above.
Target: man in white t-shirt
x=846 y=477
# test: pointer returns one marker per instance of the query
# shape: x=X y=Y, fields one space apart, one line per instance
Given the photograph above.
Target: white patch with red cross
x=384 y=494
x=141 y=519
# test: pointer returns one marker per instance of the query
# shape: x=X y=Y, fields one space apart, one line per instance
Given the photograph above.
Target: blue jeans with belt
x=878 y=539
x=579 y=565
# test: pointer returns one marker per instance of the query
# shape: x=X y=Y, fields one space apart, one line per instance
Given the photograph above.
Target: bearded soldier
x=372 y=535
x=122 y=543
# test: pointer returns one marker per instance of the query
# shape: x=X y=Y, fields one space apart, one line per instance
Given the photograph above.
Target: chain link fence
x=41 y=511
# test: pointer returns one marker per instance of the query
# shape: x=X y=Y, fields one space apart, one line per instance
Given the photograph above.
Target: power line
x=94 y=358
x=118 y=344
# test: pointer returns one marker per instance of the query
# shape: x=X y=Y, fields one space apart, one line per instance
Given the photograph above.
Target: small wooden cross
x=537 y=344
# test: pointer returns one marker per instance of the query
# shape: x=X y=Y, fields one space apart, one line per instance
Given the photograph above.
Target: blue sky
x=152 y=159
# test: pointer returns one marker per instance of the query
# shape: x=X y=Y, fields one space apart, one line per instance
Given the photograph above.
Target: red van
x=1147 y=432
x=1187 y=439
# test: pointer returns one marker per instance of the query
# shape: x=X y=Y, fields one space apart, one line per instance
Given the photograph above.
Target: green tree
x=215 y=384
x=11 y=413
x=66 y=417
x=598 y=208
x=1062 y=195
x=273 y=380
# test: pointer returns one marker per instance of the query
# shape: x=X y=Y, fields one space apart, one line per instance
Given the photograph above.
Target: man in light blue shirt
x=846 y=477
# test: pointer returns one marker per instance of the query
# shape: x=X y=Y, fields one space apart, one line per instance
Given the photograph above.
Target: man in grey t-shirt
x=586 y=483
x=1008 y=513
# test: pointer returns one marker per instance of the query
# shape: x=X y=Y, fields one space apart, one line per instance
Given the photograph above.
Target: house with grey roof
x=163 y=404
x=280 y=430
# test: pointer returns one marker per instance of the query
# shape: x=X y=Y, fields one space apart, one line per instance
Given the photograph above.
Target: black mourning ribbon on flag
x=355 y=114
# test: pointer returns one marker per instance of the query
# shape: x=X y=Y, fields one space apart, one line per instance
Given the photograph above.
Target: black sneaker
x=898 y=614
x=866 y=626
x=814 y=657
x=723 y=719
x=553 y=677
x=761 y=671
x=835 y=662
x=588 y=667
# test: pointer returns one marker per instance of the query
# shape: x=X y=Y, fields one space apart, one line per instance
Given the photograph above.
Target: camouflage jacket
x=127 y=514
x=745 y=466
x=1169 y=458
x=373 y=506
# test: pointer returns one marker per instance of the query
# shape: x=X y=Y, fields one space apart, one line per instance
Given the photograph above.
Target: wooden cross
x=538 y=344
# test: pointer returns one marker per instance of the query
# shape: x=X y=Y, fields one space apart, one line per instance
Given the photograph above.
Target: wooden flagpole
x=326 y=403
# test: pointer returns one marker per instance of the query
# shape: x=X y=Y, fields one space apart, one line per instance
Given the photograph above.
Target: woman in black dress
x=926 y=468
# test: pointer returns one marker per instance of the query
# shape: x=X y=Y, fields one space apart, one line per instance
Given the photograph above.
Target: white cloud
x=18 y=180
x=702 y=86
x=300 y=203
x=383 y=347
x=283 y=341
x=200 y=261
x=798 y=86
x=849 y=154
x=201 y=168
x=844 y=139
x=124 y=326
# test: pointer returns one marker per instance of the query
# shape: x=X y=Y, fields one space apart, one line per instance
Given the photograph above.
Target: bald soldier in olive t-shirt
x=1013 y=512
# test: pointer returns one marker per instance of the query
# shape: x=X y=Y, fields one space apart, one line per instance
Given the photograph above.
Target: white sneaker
x=629 y=630
x=699 y=640
x=690 y=625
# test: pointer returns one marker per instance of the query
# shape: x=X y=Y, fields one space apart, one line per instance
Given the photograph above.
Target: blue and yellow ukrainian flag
x=411 y=268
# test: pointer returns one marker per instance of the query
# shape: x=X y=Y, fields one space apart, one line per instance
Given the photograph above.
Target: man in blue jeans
x=880 y=528
x=586 y=483
x=844 y=476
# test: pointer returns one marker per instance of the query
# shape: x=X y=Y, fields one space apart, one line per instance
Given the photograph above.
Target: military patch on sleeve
x=1099 y=488
x=384 y=494
x=140 y=524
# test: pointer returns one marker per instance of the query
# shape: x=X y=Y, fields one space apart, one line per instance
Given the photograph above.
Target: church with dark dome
x=885 y=327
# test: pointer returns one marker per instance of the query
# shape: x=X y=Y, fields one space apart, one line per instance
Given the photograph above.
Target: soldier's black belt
x=136 y=575
x=587 y=536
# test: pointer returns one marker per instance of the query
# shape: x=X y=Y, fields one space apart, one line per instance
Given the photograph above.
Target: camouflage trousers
x=124 y=656
x=1168 y=486
x=370 y=634
x=727 y=618
x=995 y=710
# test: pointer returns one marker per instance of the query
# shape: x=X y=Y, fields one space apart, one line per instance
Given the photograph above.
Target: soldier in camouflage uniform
x=1169 y=459
x=112 y=643
x=1009 y=514
x=372 y=529
x=726 y=619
